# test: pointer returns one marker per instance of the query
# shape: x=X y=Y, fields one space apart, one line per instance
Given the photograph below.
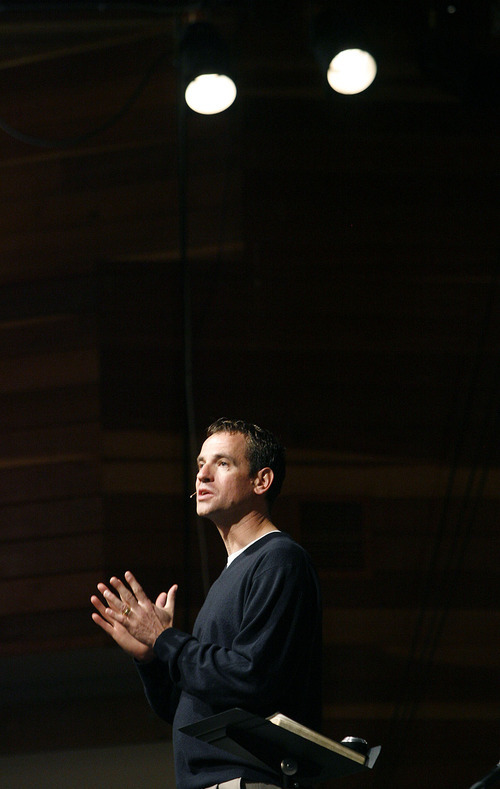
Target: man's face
x=223 y=483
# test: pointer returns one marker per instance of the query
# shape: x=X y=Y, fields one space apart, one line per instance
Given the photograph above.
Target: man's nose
x=204 y=472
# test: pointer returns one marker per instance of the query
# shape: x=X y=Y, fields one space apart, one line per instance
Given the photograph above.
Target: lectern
x=301 y=756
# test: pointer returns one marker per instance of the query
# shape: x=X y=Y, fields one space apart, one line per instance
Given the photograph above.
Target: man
x=256 y=643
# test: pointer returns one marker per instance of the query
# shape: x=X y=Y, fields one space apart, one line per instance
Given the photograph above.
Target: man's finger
x=111 y=599
x=97 y=603
x=161 y=600
x=101 y=608
x=105 y=618
x=136 y=587
x=103 y=623
x=171 y=595
x=125 y=594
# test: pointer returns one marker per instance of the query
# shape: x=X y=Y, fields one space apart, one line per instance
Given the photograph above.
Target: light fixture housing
x=206 y=70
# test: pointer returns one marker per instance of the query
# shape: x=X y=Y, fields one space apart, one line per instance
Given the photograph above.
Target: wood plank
x=161 y=550
x=41 y=334
x=51 y=405
x=50 y=442
x=384 y=481
x=109 y=82
x=48 y=555
x=62 y=517
x=310 y=149
x=155 y=513
x=142 y=197
x=64 y=728
x=408 y=587
x=42 y=631
x=452 y=690
x=393 y=628
x=49 y=370
x=467 y=551
x=344 y=665
x=158 y=477
x=70 y=477
x=62 y=591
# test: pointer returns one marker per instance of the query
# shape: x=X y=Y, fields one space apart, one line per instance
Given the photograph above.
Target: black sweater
x=256 y=644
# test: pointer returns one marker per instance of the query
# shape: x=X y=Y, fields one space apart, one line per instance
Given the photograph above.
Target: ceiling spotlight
x=341 y=51
x=205 y=68
x=351 y=71
x=209 y=94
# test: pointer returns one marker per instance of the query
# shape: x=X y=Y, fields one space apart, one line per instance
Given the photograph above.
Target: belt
x=239 y=783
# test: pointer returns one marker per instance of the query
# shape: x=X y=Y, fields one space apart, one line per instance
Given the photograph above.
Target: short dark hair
x=263 y=450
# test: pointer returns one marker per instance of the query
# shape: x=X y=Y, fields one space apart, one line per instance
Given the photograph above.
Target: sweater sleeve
x=264 y=656
x=161 y=693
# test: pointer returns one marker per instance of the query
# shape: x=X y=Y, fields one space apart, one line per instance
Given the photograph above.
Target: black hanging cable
x=191 y=448
x=420 y=659
x=472 y=498
x=190 y=434
x=78 y=139
x=215 y=267
x=466 y=522
x=216 y=270
x=467 y=517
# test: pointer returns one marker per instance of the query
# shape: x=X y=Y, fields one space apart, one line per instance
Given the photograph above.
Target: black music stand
x=301 y=756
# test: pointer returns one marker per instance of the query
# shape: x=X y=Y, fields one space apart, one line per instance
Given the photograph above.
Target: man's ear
x=263 y=481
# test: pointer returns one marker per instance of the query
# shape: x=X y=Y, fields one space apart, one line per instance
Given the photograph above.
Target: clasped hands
x=130 y=617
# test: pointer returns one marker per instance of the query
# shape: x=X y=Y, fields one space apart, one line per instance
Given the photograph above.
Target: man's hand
x=128 y=643
x=130 y=618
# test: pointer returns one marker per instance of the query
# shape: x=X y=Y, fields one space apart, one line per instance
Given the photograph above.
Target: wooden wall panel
x=55 y=591
x=59 y=478
x=50 y=406
x=51 y=544
x=58 y=517
x=63 y=440
x=50 y=555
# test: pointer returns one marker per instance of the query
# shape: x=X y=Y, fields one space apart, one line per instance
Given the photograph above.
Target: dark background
x=326 y=266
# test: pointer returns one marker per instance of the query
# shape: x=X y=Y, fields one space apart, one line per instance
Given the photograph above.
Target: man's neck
x=238 y=535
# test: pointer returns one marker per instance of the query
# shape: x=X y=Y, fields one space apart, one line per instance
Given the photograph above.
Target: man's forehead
x=224 y=442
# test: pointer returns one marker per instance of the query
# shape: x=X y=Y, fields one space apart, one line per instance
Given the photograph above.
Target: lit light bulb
x=209 y=94
x=351 y=71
